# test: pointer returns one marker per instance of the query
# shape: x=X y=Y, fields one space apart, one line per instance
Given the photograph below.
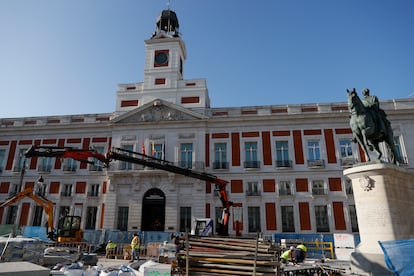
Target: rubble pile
x=22 y=249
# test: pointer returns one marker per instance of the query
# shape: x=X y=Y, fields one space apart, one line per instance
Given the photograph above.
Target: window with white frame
x=11 y=214
x=21 y=161
x=282 y=154
x=66 y=190
x=123 y=165
x=94 y=190
x=314 y=151
x=122 y=219
x=288 y=222
x=2 y=157
x=321 y=218
x=98 y=164
x=185 y=219
x=285 y=187
x=348 y=187
x=318 y=187
x=91 y=213
x=253 y=214
x=69 y=165
x=401 y=157
x=353 y=218
x=347 y=156
x=250 y=149
x=37 y=216
x=46 y=164
x=220 y=156
x=186 y=150
x=253 y=188
x=157 y=150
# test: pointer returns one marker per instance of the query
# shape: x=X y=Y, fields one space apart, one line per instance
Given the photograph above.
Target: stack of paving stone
x=22 y=249
x=231 y=256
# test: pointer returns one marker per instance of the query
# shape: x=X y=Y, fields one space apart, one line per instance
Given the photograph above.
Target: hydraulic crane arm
x=81 y=155
x=149 y=161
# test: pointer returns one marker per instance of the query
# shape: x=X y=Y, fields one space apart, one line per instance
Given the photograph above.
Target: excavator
x=119 y=154
x=68 y=229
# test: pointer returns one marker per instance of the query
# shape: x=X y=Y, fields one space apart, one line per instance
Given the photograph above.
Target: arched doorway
x=153 y=211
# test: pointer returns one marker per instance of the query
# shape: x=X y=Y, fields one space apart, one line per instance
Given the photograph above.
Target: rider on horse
x=371 y=103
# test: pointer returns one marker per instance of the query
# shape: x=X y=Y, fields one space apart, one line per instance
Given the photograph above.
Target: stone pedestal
x=383 y=195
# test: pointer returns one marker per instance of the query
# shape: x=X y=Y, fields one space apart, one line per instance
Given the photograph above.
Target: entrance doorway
x=153 y=211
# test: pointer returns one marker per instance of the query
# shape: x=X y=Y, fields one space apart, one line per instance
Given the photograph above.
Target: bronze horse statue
x=366 y=130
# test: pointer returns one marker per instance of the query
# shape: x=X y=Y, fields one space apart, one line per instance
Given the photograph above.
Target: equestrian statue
x=370 y=125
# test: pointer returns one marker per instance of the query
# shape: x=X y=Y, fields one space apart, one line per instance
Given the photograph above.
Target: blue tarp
x=399 y=256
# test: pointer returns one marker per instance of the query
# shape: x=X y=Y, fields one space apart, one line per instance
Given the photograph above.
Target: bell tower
x=165 y=54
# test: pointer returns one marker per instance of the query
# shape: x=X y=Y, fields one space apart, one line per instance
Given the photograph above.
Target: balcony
x=251 y=164
x=348 y=161
x=198 y=165
x=253 y=193
x=69 y=168
x=402 y=160
x=315 y=164
x=66 y=194
x=44 y=168
x=93 y=194
x=285 y=192
x=283 y=163
x=95 y=168
x=220 y=165
x=319 y=191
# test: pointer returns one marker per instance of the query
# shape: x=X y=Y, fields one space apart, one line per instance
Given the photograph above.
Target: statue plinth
x=383 y=195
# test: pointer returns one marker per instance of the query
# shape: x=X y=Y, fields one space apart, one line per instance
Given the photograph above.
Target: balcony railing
x=317 y=191
x=66 y=194
x=220 y=165
x=95 y=168
x=69 y=168
x=45 y=168
x=251 y=164
x=319 y=163
x=93 y=194
x=253 y=193
x=283 y=163
x=348 y=161
x=285 y=192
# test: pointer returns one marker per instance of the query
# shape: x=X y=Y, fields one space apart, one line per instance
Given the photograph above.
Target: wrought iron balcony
x=251 y=164
x=283 y=163
x=317 y=163
x=220 y=165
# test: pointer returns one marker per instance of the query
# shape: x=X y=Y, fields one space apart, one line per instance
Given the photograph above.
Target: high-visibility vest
x=135 y=243
x=303 y=247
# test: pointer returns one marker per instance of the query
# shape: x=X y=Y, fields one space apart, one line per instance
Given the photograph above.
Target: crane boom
x=149 y=161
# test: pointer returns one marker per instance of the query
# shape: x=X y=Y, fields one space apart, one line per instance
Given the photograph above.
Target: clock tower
x=165 y=56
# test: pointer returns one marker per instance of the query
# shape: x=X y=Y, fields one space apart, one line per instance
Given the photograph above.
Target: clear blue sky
x=60 y=57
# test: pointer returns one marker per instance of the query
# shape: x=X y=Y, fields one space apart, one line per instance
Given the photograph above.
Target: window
x=285 y=188
x=282 y=154
x=94 y=190
x=98 y=165
x=41 y=189
x=253 y=188
x=353 y=218
x=345 y=146
x=37 y=216
x=16 y=188
x=220 y=156
x=67 y=190
x=123 y=165
x=288 y=222
x=91 y=217
x=251 y=155
x=122 y=222
x=186 y=150
x=314 y=154
x=321 y=217
x=253 y=214
x=218 y=216
x=348 y=187
x=21 y=162
x=157 y=151
x=318 y=187
x=401 y=158
x=69 y=165
x=11 y=214
x=46 y=164
x=185 y=219
x=64 y=211
x=2 y=156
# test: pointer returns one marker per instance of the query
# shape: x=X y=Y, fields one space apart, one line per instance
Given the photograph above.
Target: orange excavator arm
x=46 y=204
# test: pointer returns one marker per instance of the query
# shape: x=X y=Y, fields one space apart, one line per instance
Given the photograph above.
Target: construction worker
x=300 y=253
x=287 y=255
x=135 y=243
x=110 y=248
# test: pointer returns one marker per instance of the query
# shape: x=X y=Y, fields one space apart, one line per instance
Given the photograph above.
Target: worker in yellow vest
x=300 y=253
x=135 y=243
x=287 y=255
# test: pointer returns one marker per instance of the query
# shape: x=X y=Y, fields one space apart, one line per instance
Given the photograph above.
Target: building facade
x=284 y=163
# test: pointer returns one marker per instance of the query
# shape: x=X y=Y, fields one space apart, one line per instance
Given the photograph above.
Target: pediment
x=158 y=110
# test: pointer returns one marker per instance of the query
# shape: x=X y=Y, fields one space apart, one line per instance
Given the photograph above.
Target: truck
x=91 y=155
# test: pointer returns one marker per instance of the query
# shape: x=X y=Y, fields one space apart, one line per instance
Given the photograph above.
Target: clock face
x=161 y=59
